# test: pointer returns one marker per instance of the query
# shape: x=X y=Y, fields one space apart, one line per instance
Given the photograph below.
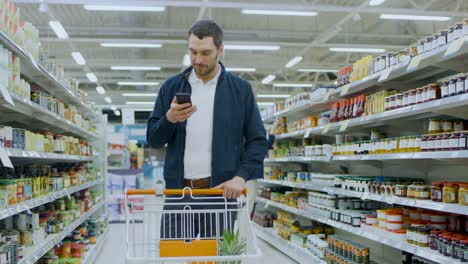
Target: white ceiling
x=340 y=23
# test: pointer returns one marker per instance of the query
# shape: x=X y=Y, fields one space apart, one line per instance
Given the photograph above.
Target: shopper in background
x=219 y=140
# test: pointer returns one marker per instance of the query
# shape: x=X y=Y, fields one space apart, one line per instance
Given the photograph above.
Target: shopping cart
x=176 y=226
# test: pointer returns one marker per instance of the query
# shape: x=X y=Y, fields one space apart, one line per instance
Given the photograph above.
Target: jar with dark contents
x=399 y=100
x=443 y=37
x=463 y=253
x=456 y=248
x=419 y=95
x=433 y=92
x=436 y=191
x=387 y=103
x=452 y=87
x=460 y=86
x=444 y=89
x=424 y=94
x=405 y=98
x=412 y=97
x=392 y=102
x=428 y=44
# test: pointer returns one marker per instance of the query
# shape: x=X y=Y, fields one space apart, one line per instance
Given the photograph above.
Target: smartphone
x=183 y=98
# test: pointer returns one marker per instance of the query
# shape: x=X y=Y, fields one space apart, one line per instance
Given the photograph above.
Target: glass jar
x=421 y=46
x=458 y=126
x=411 y=193
x=412 y=97
x=424 y=94
x=437 y=142
x=433 y=92
x=399 y=100
x=447 y=126
x=422 y=192
x=434 y=126
x=49 y=142
x=444 y=89
x=419 y=95
x=59 y=144
x=428 y=44
x=453 y=87
x=463 y=194
x=463 y=251
x=405 y=98
x=401 y=190
x=450 y=193
x=460 y=86
x=443 y=37
x=392 y=102
x=454 y=141
x=435 y=40
x=463 y=140
x=436 y=191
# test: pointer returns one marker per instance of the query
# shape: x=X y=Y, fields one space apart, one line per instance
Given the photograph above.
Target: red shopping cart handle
x=179 y=191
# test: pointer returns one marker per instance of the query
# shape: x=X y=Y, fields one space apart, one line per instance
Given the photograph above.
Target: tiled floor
x=113 y=251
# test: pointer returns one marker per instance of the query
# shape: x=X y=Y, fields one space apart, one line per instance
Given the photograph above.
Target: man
x=219 y=140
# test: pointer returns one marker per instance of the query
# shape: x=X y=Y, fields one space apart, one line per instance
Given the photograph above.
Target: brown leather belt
x=198 y=183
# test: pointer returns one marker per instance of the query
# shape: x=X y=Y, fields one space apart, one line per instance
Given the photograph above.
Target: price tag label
x=385 y=74
x=6 y=94
x=307 y=133
x=454 y=47
x=344 y=125
x=390 y=200
x=326 y=129
x=345 y=89
x=414 y=63
x=5 y=159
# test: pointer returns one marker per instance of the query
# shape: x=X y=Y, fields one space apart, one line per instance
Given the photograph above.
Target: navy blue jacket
x=239 y=138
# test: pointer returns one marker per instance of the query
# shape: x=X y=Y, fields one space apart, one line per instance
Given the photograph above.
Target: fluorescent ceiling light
x=117 y=112
x=316 y=70
x=130 y=45
x=413 y=17
x=268 y=79
x=138 y=83
x=376 y=2
x=187 y=62
x=58 y=29
x=124 y=8
x=91 y=77
x=79 y=59
x=139 y=103
x=265 y=103
x=139 y=94
x=241 y=69
x=357 y=50
x=277 y=12
x=293 y=85
x=108 y=100
x=293 y=62
x=273 y=95
x=100 y=90
x=113 y=108
x=251 y=47
x=135 y=68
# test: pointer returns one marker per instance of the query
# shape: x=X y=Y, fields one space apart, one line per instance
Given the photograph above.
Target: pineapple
x=232 y=245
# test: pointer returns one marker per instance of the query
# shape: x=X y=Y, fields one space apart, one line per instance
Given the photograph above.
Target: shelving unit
x=51 y=157
x=385 y=238
x=95 y=249
x=436 y=155
x=32 y=254
x=27 y=205
x=299 y=254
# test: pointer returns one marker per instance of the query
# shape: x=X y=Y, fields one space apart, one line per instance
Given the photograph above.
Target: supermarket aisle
x=114 y=249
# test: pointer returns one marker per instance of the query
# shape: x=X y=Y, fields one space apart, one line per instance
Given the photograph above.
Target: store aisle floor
x=113 y=251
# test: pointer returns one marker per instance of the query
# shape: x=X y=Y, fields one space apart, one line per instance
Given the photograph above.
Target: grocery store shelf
x=32 y=254
x=454 y=105
x=30 y=113
x=299 y=254
x=36 y=73
x=425 y=204
x=436 y=155
x=385 y=238
x=299 y=159
x=24 y=154
x=29 y=204
x=426 y=66
x=302 y=185
x=95 y=249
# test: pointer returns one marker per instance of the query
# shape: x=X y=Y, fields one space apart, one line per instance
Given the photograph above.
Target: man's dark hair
x=207 y=28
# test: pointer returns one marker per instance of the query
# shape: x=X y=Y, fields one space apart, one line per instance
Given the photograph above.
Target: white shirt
x=199 y=129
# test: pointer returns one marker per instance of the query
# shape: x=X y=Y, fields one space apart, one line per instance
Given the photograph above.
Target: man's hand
x=232 y=188
x=180 y=112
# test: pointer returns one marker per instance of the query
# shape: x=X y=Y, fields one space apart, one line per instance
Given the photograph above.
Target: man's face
x=204 y=54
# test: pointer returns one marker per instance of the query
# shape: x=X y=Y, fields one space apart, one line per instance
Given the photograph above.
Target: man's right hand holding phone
x=180 y=112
